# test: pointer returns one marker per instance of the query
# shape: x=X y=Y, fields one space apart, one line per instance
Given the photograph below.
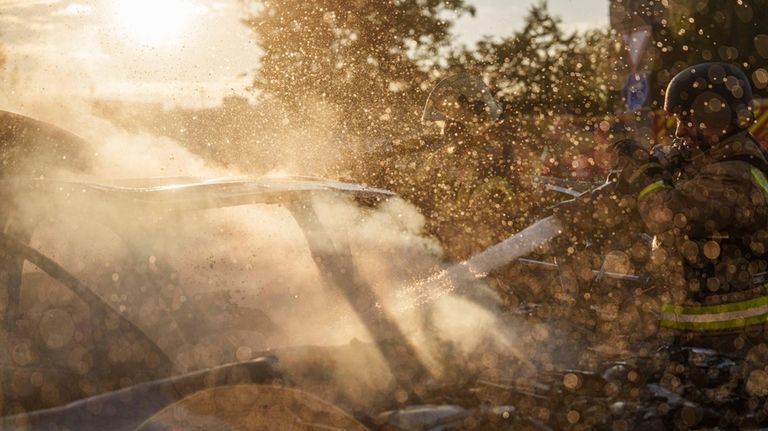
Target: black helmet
x=715 y=94
x=463 y=98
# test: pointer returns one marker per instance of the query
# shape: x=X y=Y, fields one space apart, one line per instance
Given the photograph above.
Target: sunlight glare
x=154 y=23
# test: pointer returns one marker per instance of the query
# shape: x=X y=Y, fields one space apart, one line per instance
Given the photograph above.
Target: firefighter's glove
x=638 y=168
x=627 y=153
x=672 y=158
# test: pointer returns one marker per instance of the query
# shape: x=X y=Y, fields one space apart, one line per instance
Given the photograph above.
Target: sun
x=153 y=22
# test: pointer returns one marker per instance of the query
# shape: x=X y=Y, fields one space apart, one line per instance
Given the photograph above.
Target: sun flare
x=152 y=22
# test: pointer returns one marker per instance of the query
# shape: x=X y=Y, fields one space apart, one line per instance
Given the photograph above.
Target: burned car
x=150 y=334
x=250 y=303
x=215 y=303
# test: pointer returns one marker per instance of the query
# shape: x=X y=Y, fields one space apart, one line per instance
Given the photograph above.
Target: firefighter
x=706 y=203
x=461 y=104
x=461 y=178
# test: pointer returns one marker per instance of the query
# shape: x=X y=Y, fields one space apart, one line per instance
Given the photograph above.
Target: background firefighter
x=469 y=179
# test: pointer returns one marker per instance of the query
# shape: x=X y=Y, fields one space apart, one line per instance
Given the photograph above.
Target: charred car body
x=132 y=346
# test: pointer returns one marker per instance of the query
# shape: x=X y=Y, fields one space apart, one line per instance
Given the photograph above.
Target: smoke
x=114 y=152
x=223 y=284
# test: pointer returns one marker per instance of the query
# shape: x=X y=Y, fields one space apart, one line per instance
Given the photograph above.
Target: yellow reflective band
x=715 y=309
x=650 y=188
x=715 y=317
x=759 y=177
x=641 y=171
x=715 y=326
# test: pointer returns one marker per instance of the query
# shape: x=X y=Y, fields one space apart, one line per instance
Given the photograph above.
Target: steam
x=115 y=152
x=221 y=285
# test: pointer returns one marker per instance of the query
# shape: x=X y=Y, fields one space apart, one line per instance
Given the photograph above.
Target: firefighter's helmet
x=462 y=98
x=717 y=95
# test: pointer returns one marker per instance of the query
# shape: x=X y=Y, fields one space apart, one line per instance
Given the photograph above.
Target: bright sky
x=502 y=17
x=188 y=52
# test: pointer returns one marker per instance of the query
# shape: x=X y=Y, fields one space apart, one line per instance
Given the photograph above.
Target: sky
x=502 y=17
x=114 y=49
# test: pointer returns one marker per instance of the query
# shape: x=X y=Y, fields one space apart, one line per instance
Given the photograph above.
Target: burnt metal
x=336 y=264
x=97 y=305
x=178 y=194
x=127 y=408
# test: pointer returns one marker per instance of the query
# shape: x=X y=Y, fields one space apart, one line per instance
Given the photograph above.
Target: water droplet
x=573 y=416
x=57 y=328
x=571 y=381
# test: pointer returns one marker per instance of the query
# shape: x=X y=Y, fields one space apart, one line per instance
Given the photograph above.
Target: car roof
x=193 y=191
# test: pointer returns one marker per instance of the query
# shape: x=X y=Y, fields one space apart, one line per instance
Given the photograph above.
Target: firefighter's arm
x=719 y=197
x=640 y=172
x=607 y=207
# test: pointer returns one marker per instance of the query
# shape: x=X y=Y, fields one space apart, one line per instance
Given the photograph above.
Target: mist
x=228 y=284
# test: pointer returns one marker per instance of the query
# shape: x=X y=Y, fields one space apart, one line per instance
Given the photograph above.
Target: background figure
x=471 y=178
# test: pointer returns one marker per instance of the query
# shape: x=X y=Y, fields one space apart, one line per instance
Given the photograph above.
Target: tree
x=541 y=69
x=365 y=60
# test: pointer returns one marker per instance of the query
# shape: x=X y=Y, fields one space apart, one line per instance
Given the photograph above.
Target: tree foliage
x=374 y=62
x=364 y=58
x=541 y=69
